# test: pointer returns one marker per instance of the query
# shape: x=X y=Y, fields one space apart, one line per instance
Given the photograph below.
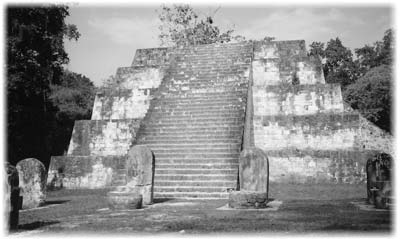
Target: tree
x=372 y=96
x=317 y=49
x=339 y=66
x=182 y=26
x=35 y=59
x=386 y=52
x=72 y=100
x=372 y=56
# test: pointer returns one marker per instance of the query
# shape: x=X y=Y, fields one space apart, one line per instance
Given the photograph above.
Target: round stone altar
x=247 y=199
x=124 y=200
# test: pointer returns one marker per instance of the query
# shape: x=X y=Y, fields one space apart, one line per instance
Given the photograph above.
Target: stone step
x=224 y=184
x=216 y=61
x=209 y=69
x=210 y=172
x=196 y=155
x=204 y=94
x=189 y=104
x=202 y=57
x=207 y=56
x=181 y=102
x=201 y=113
x=212 y=50
x=186 y=145
x=210 y=75
x=194 y=123
x=119 y=176
x=121 y=170
x=231 y=130
x=158 y=151
x=226 y=137
x=213 y=98
x=196 y=110
x=207 y=128
x=118 y=182
x=237 y=74
x=154 y=135
x=229 y=82
x=184 y=115
x=232 y=99
x=197 y=166
x=201 y=101
x=195 y=161
x=195 y=177
x=196 y=66
x=192 y=196
x=197 y=118
x=192 y=81
x=195 y=82
x=191 y=189
x=176 y=89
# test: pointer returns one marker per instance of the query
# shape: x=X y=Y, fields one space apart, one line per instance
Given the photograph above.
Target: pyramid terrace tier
x=297 y=100
x=312 y=166
x=324 y=131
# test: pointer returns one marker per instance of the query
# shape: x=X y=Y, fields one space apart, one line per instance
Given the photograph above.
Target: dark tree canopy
x=372 y=95
x=35 y=60
x=72 y=100
x=339 y=66
x=317 y=49
x=380 y=53
x=367 y=80
x=182 y=26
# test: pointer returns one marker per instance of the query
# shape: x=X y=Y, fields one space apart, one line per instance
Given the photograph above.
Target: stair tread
x=195 y=123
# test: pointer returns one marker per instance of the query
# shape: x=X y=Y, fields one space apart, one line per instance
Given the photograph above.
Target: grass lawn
x=320 y=209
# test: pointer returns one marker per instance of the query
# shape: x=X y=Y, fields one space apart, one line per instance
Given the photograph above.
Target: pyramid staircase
x=188 y=106
x=195 y=124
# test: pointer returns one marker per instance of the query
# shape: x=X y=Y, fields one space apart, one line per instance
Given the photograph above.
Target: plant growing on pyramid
x=182 y=26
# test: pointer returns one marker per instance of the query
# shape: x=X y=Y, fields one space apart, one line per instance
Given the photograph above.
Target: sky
x=110 y=34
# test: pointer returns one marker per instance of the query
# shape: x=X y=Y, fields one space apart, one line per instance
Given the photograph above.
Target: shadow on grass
x=161 y=200
x=52 y=202
x=36 y=225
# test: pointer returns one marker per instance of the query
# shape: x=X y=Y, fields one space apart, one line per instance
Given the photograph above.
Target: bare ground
x=319 y=209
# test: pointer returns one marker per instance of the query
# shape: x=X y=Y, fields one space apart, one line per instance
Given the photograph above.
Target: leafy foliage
x=366 y=82
x=35 y=59
x=73 y=100
x=339 y=66
x=182 y=26
x=372 y=96
x=378 y=54
x=317 y=49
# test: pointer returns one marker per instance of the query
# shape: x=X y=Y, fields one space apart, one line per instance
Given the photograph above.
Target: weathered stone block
x=140 y=167
x=379 y=186
x=253 y=170
x=247 y=199
x=13 y=200
x=102 y=137
x=124 y=200
x=84 y=171
x=32 y=175
x=146 y=191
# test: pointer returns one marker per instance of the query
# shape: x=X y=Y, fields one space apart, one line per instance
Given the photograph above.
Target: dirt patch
x=305 y=209
x=272 y=206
